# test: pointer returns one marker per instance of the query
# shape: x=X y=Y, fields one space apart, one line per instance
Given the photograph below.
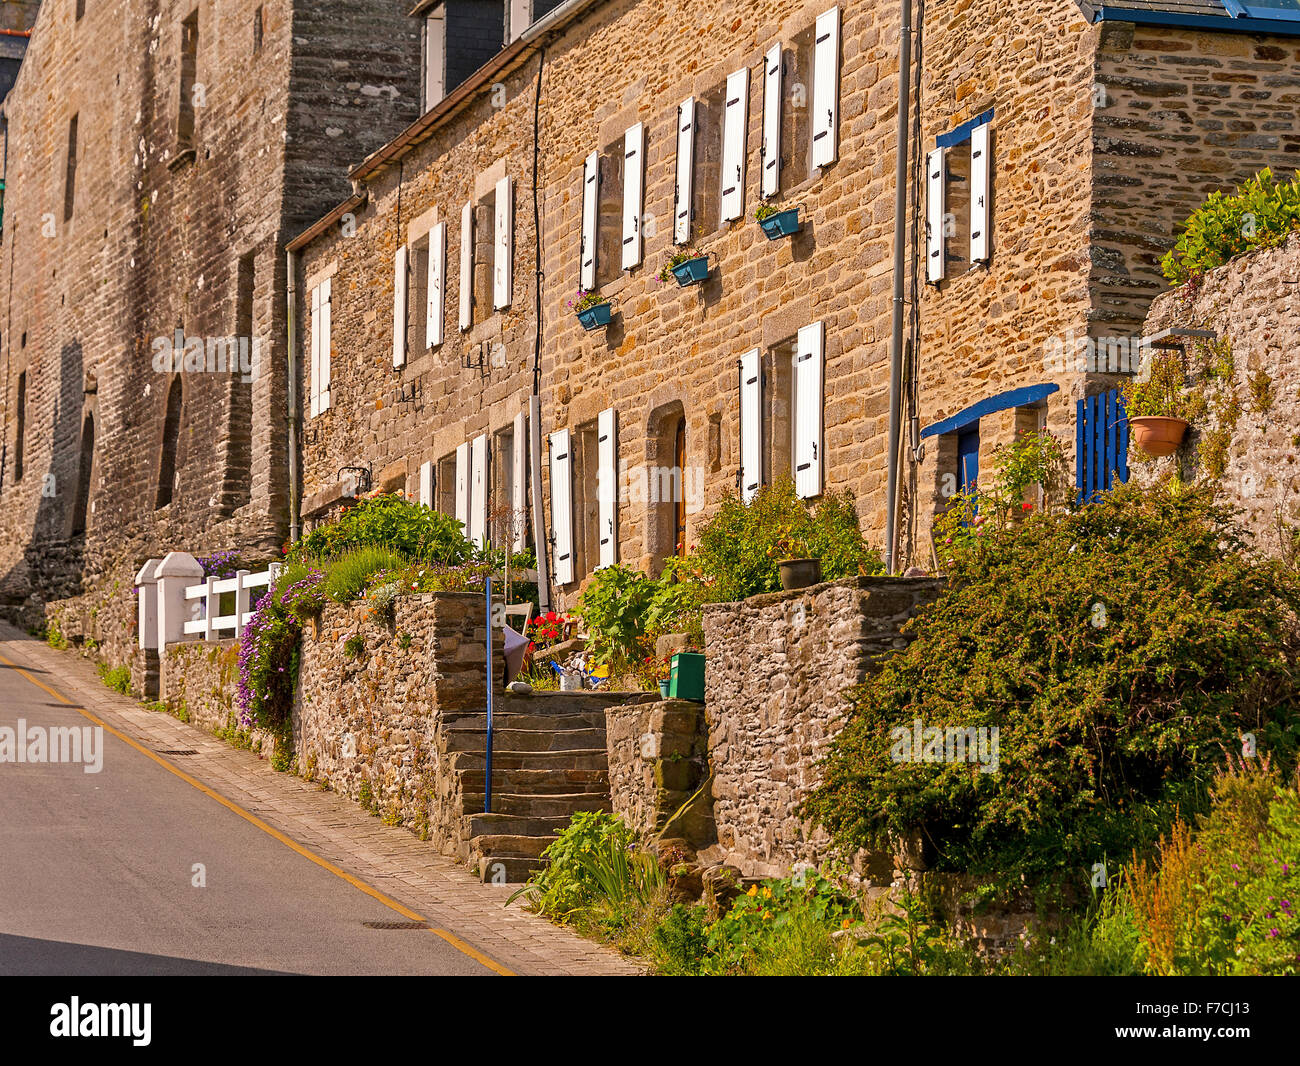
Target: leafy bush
x=1262 y=213
x=573 y=878
x=739 y=549
x=1117 y=649
x=388 y=521
x=118 y=678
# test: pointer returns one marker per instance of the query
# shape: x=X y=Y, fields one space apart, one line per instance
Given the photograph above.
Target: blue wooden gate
x=1102 y=439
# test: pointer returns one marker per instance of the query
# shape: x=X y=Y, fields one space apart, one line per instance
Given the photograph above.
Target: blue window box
x=693 y=271
x=596 y=316
x=782 y=224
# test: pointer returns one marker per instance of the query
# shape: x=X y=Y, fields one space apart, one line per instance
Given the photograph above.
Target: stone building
x=1054 y=149
x=159 y=156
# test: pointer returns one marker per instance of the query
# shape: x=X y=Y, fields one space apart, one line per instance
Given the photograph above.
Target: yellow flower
x=767 y=893
x=753 y=890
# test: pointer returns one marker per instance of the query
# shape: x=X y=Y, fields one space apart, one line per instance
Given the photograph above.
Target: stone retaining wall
x=777 y=668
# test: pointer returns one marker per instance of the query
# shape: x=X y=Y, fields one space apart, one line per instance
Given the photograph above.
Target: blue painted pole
x=487 y=777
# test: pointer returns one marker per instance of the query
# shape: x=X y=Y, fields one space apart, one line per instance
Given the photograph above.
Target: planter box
x=595 y=317
x=692 y=272
x=782 y=224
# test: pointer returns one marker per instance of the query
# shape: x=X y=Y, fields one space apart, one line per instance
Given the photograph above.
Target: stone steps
x=568 y=759
x=512 y=739
x=537 y=782
x=482 y=825
x=561 y=805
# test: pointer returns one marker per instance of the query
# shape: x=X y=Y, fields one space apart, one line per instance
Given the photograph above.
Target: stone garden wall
x=777 y=669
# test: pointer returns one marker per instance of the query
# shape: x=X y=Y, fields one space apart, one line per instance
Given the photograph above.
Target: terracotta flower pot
x=800 y=573
x=1157 y=435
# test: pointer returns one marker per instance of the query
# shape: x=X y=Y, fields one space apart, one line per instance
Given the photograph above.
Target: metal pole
x=487 y=777
x=900 y=237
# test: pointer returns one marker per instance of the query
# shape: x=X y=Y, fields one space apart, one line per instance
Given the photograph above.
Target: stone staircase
x=548 y=762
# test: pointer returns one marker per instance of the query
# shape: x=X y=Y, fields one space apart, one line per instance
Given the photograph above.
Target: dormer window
x=459 y=36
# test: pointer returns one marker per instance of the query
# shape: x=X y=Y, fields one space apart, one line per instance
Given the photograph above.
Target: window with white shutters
x=981 y=197
x=518 y=494
x=426 y=484
x=313 y=377
x=326 y=341
x=633 y=190
x=478 y=490
x=590 y=218
x=935 y=187
x=466 y=267
x=607 y=486
x=826 y=90
x=561 y=507
x=503 y=253
x=318 y=388
x=462 y=486
x=959 y=199
x=735 y=125
x=771 y=151
x=808 y=402
x=436 y=273
x=683 y=192
x=751 y=424
x=399 y=307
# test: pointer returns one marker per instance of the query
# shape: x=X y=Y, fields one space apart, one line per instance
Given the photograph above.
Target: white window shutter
x=503 y=272
x=633 y=184
x=462 y=486
x=934 y=212
x=426 y=484
x=771 y=181
x=751 y=424
x=521 y=16
x=399 y=307
x=519 y=486
x=607 y=484
x=466 y=266
x=735 y=124
x=826 y=89
x=590 y=207
x=478 y=490
x=562 y=507
x=326 y=311
x=981 y=196
x=437 y=273
x=685 y=189
x=313 y=385
x=808 y=400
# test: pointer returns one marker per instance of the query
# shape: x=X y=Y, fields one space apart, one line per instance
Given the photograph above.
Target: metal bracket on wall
x=409 y=392
x=356 y=479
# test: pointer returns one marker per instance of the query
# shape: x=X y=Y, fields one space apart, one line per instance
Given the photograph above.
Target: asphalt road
x=97 y=875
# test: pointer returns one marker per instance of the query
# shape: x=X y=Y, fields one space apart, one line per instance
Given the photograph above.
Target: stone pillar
x=147 y=592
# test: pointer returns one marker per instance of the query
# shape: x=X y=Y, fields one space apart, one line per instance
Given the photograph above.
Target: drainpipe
x=900 y=237
x=295 y=474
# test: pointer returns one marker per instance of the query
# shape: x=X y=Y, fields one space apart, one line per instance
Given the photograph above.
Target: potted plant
x=687 y=265
x=777 y=224
x=592 y=309
x=799 y=568
x=1155 y=407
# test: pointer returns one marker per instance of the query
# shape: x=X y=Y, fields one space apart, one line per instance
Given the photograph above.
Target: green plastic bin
x=686 y=681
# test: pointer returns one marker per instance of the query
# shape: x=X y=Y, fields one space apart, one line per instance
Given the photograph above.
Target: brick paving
x=387 y=858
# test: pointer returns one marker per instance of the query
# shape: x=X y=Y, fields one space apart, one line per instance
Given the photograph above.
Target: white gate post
x=175 y=573
x=147 y=608
x=241 y=602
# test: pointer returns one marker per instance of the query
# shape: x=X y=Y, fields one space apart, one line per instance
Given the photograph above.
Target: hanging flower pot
x=593 y=311
x=687 y=265
x=778 y=224
x=1156 y=435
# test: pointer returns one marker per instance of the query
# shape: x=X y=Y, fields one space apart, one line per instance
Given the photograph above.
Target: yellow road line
x=270 y=830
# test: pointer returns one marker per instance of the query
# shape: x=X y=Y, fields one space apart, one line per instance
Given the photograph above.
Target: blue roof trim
x=1014 y=398
x=1281 y=27
x=962 y=132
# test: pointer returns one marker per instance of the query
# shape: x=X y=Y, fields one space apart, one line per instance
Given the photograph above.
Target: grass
x=118 y=678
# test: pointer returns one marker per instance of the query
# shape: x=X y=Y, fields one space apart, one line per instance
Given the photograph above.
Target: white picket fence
x=174 y=607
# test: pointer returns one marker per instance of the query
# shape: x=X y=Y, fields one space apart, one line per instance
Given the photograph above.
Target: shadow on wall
x=52 y=559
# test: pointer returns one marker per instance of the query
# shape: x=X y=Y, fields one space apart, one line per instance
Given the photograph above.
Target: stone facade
x=134 y=209
x=778 y=666
x=1252 y=304
x=1084 y=129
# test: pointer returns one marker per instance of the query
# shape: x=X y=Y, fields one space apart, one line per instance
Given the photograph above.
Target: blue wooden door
x=1101 y=444
x=968 y=459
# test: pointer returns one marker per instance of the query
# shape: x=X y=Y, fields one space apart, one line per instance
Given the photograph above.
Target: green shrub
x=118 y=678
x=573 y=879
x=347 y=575
x=388 y=521
x=1262 y=213
x=614 y=608
x=1117 y=649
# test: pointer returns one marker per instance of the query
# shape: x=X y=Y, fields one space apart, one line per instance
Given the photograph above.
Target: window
x=188 y=87
x=959 y=199
x=259 y=26
x=509 y=517
x=609 y=220
x=239 y=442
x=584 y=498
x=21 y=438
x=612 y=206
x=85 y=467
x=70 y=182
x=169 y=463
x=487 y=254
x=318 y=389
x=781 y=420
x=444 y=485
x=401 y=306
x=417 y=314
x=666 y=479
x=523 y=13
x=460 y=36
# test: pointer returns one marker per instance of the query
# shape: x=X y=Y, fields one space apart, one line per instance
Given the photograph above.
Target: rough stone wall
x=1252 y=304
x=152 y=243
x=777 y=668
x=657 y=760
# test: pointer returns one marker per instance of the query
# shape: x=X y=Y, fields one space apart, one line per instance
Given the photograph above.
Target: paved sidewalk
x=387 y=858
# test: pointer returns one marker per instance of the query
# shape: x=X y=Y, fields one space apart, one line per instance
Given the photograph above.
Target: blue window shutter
x=968 y=459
